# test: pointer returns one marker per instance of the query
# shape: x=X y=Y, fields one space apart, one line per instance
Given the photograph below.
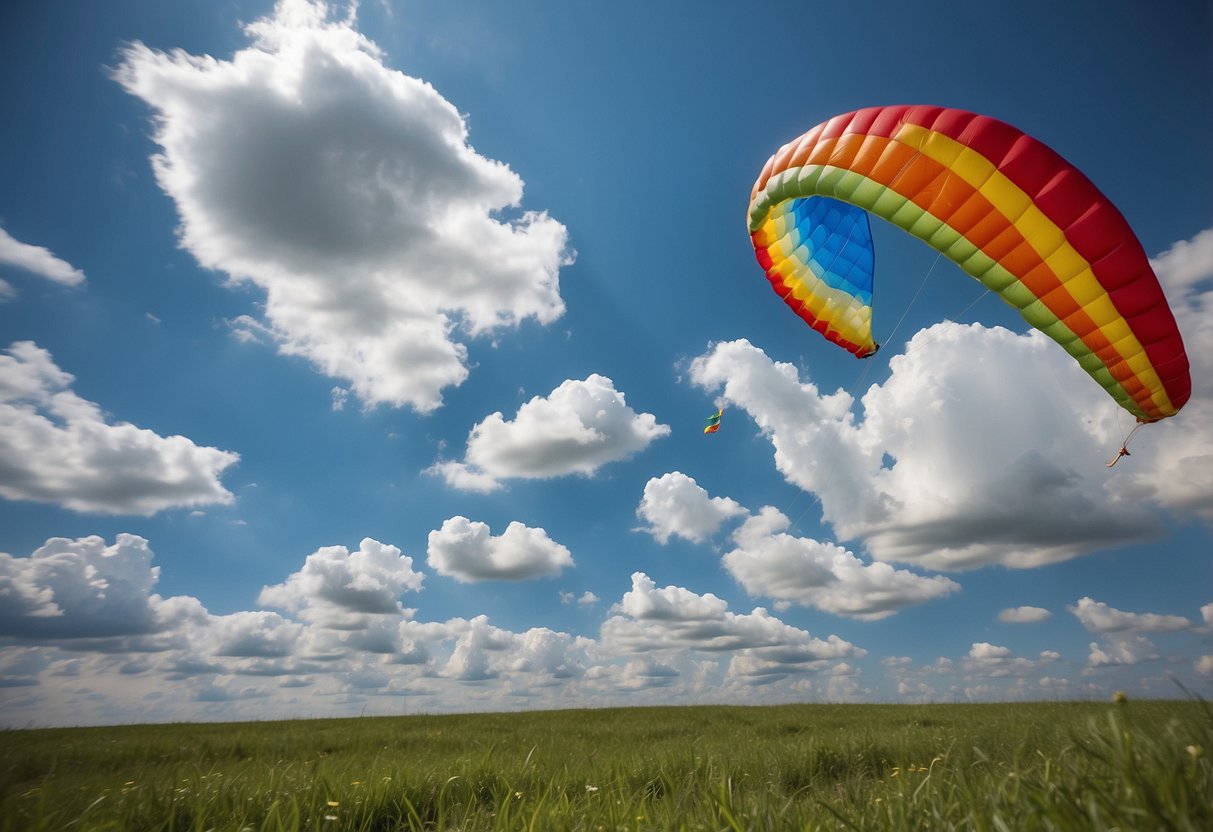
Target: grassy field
x=1127 y=765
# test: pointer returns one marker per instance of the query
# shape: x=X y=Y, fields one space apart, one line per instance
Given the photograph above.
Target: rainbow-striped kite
x=1008 y=210
x=713 y=422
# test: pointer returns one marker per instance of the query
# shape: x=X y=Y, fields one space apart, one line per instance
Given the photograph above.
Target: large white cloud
x=674 y=505
x=56 y=447
x=468 y=551
x=83 y=588
x=994 y=660
x=255 y=634
x=578 y=428
x=478 y=640
x=1121 y=650
x=348 y=192
x=1122 y=643
x=37 y=260
x=345 y=590
x=768 y=561
x=1098 y=617
x=673 y=618
x=982 y=447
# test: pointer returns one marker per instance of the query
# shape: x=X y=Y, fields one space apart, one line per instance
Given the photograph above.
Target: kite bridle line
x=853 y=389
x=939 y=254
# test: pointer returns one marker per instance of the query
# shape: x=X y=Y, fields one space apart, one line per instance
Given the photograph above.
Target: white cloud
x=467 y=551
x=1098 y=617
x=1186 y=264
x=674 y=618
x=580 y=427
x=347 y=191
x=1122 y=644
x=36 y=260
x=982 y=447
x=587 y=598
x=345 y=590
x=994 y=661
x=470 y=660
x=256 y=634
x=642 y=674
x=549 y=653
x=1024 y=615
x=1204 y=665
x=1121 y=649
x=984 y=651
x=56 y=447
x=83 y=588
x=770 y=562
x=674 y=505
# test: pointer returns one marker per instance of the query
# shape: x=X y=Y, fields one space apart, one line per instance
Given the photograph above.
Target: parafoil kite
x=1006 y=208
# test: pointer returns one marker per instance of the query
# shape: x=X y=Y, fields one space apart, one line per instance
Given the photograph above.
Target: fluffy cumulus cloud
x=56 y=447
x=767 y=561
x=35 y=260
x=578 y=428
x=761 y=648
x=674 y=505
x=1024 y=615
x=477 y=640
x=77 y=589
x=255 y=634
x=1098 y=617
x=770 y=562
x=1121 y=649
x=467 y=551
x=586 y=599
x=982 y=447
x=1122 y=642
x=349 y=193
x=341 y=589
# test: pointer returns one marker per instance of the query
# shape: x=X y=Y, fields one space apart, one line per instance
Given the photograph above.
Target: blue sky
x=355 y=360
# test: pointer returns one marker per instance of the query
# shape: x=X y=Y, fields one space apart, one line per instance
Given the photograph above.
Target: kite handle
x=1124 y=446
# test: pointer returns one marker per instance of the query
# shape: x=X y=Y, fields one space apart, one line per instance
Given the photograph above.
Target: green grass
x=1132 y=765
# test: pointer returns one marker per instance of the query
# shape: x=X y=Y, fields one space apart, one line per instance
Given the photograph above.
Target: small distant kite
x=713 y=422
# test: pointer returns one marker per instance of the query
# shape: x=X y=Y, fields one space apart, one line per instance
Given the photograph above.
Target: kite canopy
x=1003 y=206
